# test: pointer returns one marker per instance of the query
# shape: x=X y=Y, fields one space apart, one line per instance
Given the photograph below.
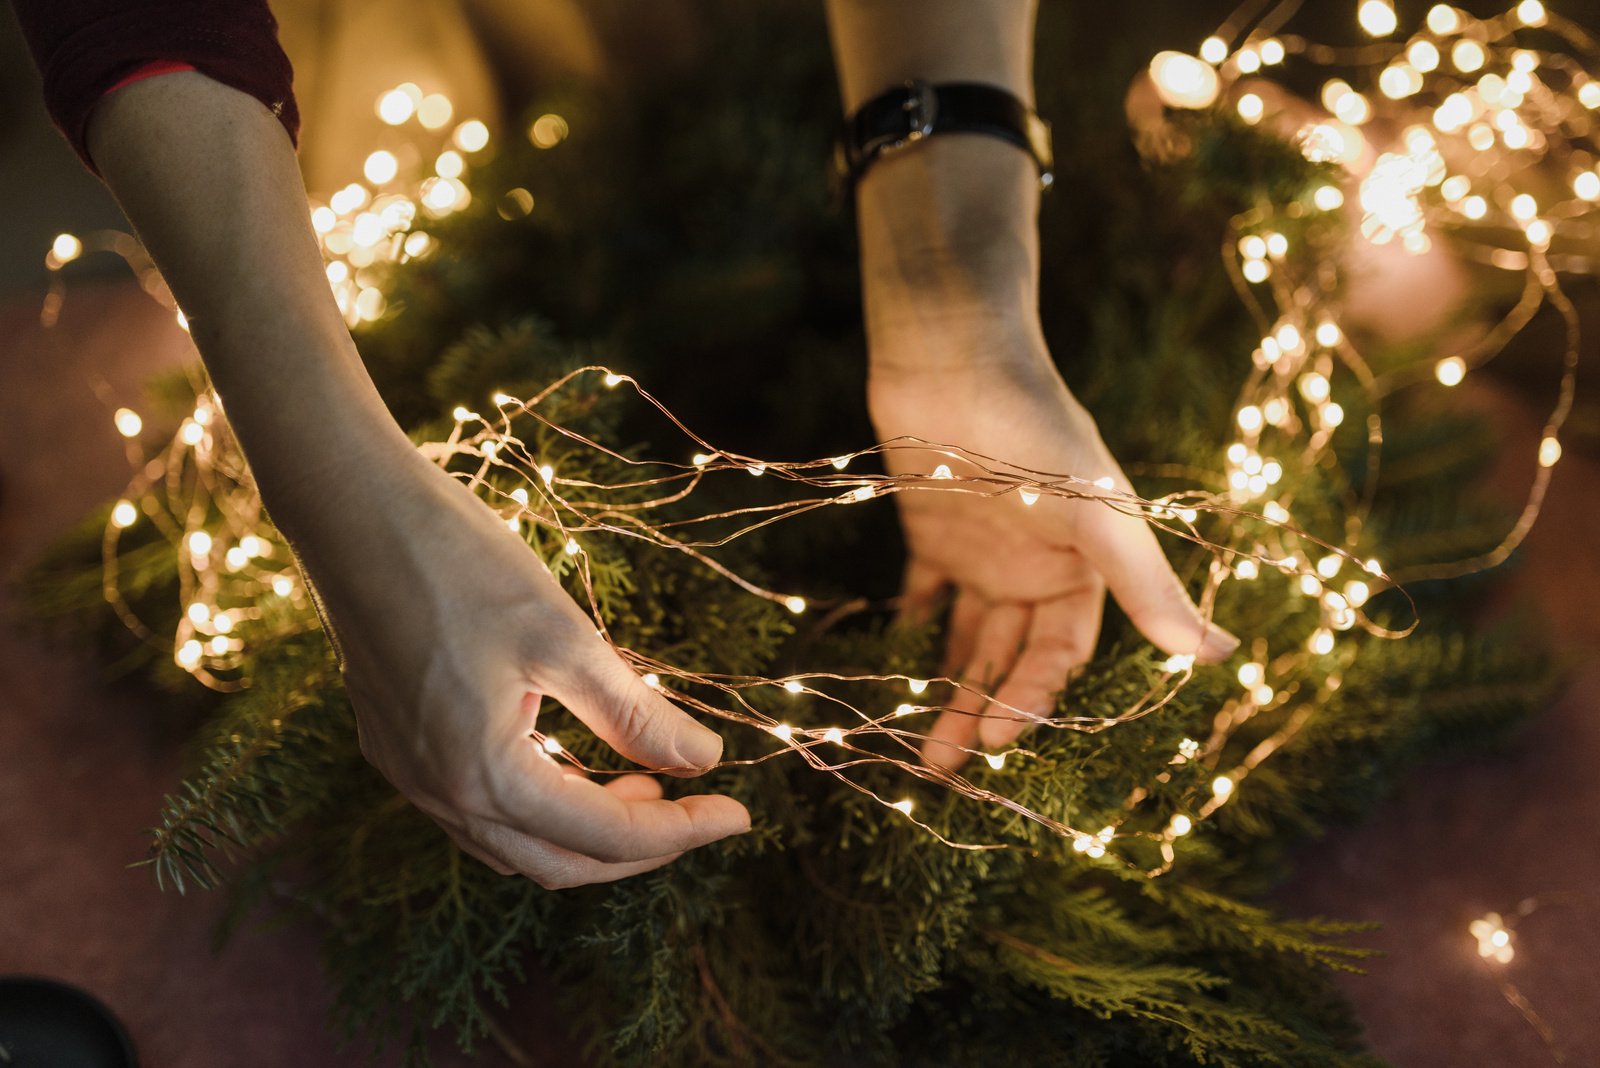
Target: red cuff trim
x=151 y=70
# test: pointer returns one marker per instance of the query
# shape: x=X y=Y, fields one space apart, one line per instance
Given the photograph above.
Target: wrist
x=949 y=236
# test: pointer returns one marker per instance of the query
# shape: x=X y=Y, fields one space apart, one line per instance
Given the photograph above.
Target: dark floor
x=82 y=773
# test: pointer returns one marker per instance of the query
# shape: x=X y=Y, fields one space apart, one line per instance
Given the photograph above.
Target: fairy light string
x=239 y=584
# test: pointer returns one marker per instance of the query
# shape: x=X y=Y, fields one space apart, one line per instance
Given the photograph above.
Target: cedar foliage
x=683 y=234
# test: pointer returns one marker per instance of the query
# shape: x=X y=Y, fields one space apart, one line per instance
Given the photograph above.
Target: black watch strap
x=905 y=115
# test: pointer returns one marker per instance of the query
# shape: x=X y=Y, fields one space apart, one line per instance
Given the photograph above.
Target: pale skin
x=452 y=631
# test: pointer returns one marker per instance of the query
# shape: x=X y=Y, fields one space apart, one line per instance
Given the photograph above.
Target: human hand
x=1029 y=580
x=452 y=632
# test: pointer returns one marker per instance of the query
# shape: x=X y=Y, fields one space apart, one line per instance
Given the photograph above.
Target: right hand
x=452 y=632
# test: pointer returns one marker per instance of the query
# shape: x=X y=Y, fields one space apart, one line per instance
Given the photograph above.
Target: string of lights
x=1486 y=120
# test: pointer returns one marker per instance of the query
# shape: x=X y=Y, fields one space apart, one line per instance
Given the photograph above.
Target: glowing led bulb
x=199 y=543
x=1450 y=370
x=1377 y=17
x=996 y=760
x=1177 y=662
x=1531 y=13
x=700 y=459
x=1524 y=207
x=124 y=514
x=1249 y=418
x=1180 y=825
x=449 y=164
x=793 y=686
x=840 y=462
x=1467 y=55
x=1310 y=585
x=381 y=167
x=1399 y=81
x=1213 y=50
x=833 y=735
x=1494 y=941
x=612 y=380
x=783 y=732
x=282 y=585
x=1276 y=513
x=128 y=422
x=652 y=680
x=572 y=547
x=471 y=136
x=943 y=472
x=1248 y=60
x=757 y=470
x=398 y=104
x=547 y=474
x=916 y=686
x=1442 y=19
x=904 y=806
x=1474 y=207
x=1277 y=245
x=66 y=248
x=551 y=746
x=1251 y=674
x=434 y=110
x=1332 y=415
x=904 y=709
x=1327 y=198
x=1029 y=496
x=1328 y=566
x=1549 y=452
x=1272 y=51
x=1246 y=569
x=795 y=604
x=1183 y=81
x=1423 y=55
x=1539 y=233
x=1321 y=641
x=1356 y=592
x=1251 y=108
x=1222 y=787
x=189 y=654
x=1255 y=271
x=860 y=493
x=1589 y=95
x=1587 y=185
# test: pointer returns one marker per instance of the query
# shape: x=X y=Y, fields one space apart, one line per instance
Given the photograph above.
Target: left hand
x=1029 y=581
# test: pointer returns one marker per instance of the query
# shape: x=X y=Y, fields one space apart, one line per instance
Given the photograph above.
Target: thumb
x=635 y=719
x=1124 y=550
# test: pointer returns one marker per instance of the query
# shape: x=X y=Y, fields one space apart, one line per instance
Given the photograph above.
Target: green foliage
x=681 y=234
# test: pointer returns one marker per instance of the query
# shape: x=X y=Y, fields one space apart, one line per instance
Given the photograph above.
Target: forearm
x=208 y=177
x=948 y=227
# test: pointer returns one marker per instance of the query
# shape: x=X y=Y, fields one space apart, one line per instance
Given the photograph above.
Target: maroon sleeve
x=83 y=47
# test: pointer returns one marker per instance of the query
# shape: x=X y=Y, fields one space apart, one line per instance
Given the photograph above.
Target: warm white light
x=1357 y=592
x=397 y=105
x=1329 y=565
x=1251 y=674
x=1251 y=107
x=1277 y=245
x=1180 y=825
x=1474 y=207
x=199 y=543
x=1450 y=370
x=189 y=654
x=1327 y=197
x=471 y=136
x=1029 y=497
x=128 y=422
x=1248 y=60
x=1549 y=452
x=1531 y=13
x=916 y=686
x=1587 y=185
x=700 y=459
x=1213 y=50
x=783 y=732
x=1400 y=81
x=1443 y=19
x=1272 y=51
x=1183 y=81
x=996 y=760
x=1524 y=207
x=1539 y=233
x=1467 y=55
x=1321 y=642
x=833 y=736
x=904 y=709
x=1246 y=569
x=124 y=514
x=1177 y=662
x=793 y=686
x=1256 y=271
x=1589 y=95
x=904 y=806
x=449 y=164
x=795 y=604
x=1423 y=55
x=1377 y=17
x=191 y=433
x=282 y=585
x=572 y=547
x=381 y=167
x=652 y=680
x=1222 y=787
x=66 y=248
x=1332 y=414
x=434 y=111
x=1249 y=418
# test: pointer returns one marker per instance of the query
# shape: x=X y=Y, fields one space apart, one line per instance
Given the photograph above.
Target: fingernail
x=1218 y=646
x=698 y=747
